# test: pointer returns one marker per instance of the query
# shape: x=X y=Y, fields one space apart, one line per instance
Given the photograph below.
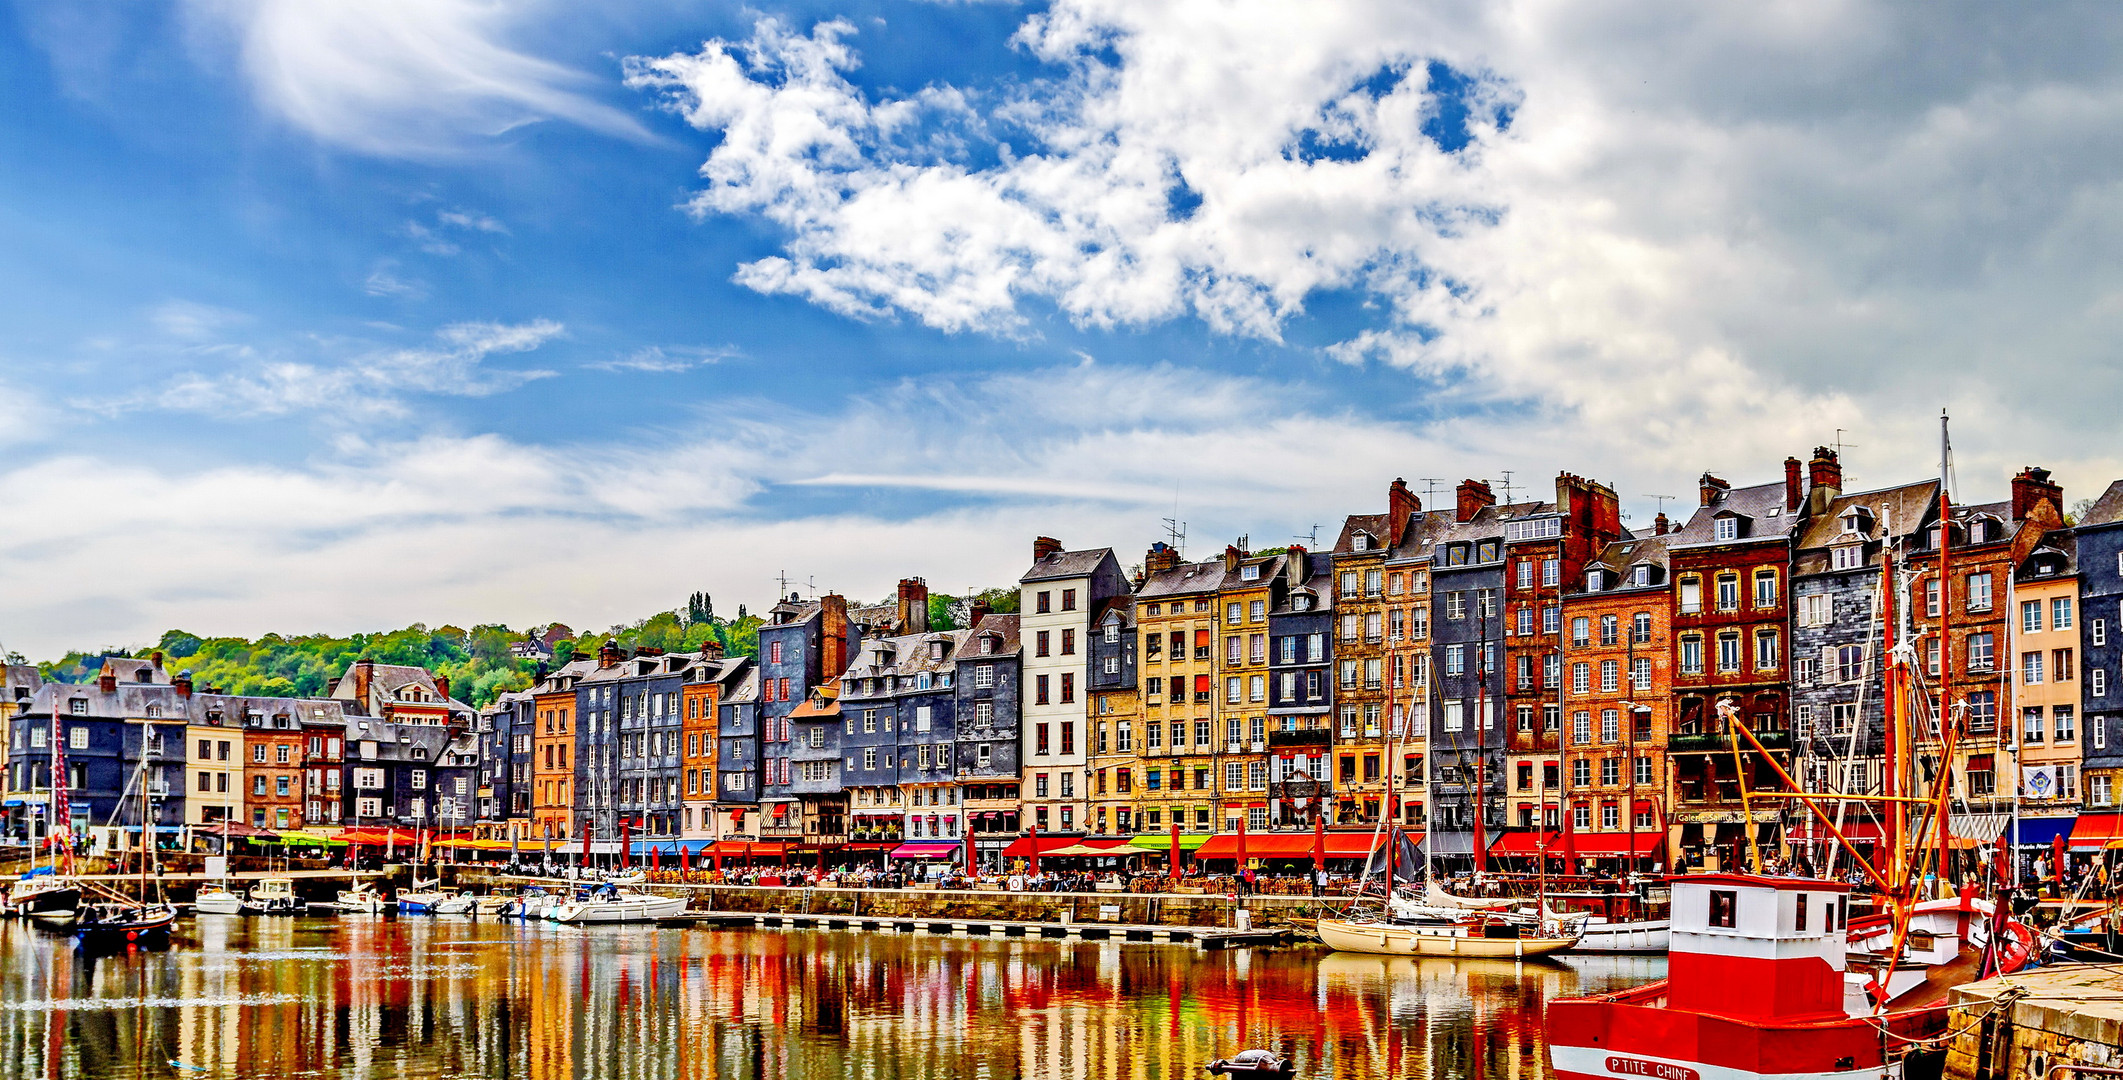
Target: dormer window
x=1359 y=542
x=1249 y=573
x=1726 y=527
x=987 y=645
x=936 y=650
x=1301 y=602
x=154 y=711
x=1592 y=581
x=1640 y=574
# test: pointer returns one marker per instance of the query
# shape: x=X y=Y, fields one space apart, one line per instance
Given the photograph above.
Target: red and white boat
x=1763 y=983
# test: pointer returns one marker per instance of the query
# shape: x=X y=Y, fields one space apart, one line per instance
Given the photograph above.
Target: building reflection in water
x=364 y=997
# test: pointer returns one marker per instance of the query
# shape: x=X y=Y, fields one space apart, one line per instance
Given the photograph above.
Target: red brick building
x=1610 y=792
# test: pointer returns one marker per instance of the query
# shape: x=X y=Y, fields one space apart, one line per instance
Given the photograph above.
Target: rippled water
x=365 y=997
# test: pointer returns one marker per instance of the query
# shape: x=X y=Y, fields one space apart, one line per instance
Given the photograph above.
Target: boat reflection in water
x=423 y=997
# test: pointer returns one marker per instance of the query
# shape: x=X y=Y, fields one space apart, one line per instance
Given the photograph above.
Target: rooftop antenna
x=1840 y=447
x=1430 y=484
x=783 y=579
x=1175 y=534
x=1311 y=539
x=1662 y=501
x=1507 y=487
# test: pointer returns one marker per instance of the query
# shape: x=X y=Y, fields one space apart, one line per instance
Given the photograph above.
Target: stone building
x=1116 y=762
x=989 y=728
x=1176 y=613
x=1057 y=597
x=1602 y=794
x=2099 y=536
x=1253 y=584
x=1466 y=744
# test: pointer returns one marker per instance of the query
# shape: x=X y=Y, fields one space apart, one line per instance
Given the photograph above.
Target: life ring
x=132 y=935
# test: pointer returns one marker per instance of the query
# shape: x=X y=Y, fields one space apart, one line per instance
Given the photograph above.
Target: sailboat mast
x=1894 y=752
x=1944 y=785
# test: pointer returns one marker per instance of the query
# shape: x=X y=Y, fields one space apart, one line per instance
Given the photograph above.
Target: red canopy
x=1338 y=845
x=2092 y=832
x=1021 y=847
x=1589 y=845
x=380 y=836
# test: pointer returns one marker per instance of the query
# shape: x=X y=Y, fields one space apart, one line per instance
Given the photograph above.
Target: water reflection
x=364 y=997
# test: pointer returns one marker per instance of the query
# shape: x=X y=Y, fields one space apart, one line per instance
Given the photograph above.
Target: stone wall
x=2025 y=1025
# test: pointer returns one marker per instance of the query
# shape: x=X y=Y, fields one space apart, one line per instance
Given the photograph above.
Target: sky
x=336 y=317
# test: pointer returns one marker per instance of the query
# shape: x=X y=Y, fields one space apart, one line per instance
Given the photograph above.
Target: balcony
x=1711 y=742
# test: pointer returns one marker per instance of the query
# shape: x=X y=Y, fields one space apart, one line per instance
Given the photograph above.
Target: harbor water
x=364 y=997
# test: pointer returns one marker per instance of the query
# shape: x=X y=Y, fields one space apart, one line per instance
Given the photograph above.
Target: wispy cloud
x=404 y=78
x=381 y=282
x=666 y=360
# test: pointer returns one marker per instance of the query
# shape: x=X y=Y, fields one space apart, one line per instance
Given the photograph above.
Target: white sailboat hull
x=1649 y=937
x=628 y=909
x=1432 y=939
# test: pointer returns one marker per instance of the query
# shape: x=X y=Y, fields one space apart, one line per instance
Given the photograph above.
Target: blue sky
x=340 y=316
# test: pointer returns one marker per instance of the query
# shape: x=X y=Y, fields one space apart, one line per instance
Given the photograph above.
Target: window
x=1726 y=528
x=1640 y=628
x=1767 y=655
x=1580 y=631
x=2031 y=726
x=1643 y=770
x=1728 y=592
x=1729 y=651
x=1610 y=629
x=1846 y=557
x=1525 y=572
x=1610 y=676
x=1551 y=618
x=1691 y=654
x=2099 y=628
x=2060 y=666
x=1691 y=595
x=1455 y=608
x=1979 y=591
x=1581 y=727
x=2060 y=613
x=1581 y=772
x=1041 y=643
x=1765 y=588
x=1931 y=598
x=1455 y=663
x=2099 y=791
x=2065 y=717
x=1850 y=663
x=2031 y=616
x=1982 y=652
x=1724 y=908
x=1068 y=643
x=1815 y=609
x=1640 y=673
x=2097 y=683
x=1610 y=726
x=1580 y=678
x=1551 y=572
x=2031 y=667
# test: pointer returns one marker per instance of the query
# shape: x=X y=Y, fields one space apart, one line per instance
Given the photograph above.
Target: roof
x=1003 y=626
x=1186 y=579
x=1764 y=503
x=128 y=701
x=2055 y=557
x=910 y=655
x=1372 y=525
x=307 y=710
x=1905 y=506
x=2106 y=510
x=1067 y=564
x=1623 y=554
x=1123 y=605
x=746 y=691
x=822 y=703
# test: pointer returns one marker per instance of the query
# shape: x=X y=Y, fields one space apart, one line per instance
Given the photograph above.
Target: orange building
x=1603 y=781
x=553 y=750
x=700 y=697
x=272 y=763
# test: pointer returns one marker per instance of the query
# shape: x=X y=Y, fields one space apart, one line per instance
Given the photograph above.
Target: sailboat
x=118 y=920
x=46 y=893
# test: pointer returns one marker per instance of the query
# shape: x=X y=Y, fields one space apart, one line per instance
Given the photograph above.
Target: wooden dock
x=1207 y=937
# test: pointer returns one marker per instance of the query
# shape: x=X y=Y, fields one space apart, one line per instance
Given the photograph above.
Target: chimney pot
x=1711 y=488
x=1161 y=557
x=1044 y=546
x=183 y=683
x=1661 y=525
x=2031 y=488
x=1401 y=507
x=442 y=686
x=156 y=658
x=1792 y=493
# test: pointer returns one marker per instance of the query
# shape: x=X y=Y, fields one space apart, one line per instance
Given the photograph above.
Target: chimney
x=1825 y=472
x=711 y=649
x=183 y=683
x=1232 y=555
x=107 y=679
x=364 y=675
x=1161 y=557
x=1660 y=525
x=1473 y=496
x=1401 y=508
x=1793 y=493
x=2033 y=487
x=1044 y=546
x=1297 y=565
x=442 y=686
x=156 y=659
x=608 y=654
x=833 y=634
x=980 y=610
x=913 y=606
x=1711 y=488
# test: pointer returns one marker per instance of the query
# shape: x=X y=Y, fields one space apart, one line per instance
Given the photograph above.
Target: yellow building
x=1177 y=622
x=1116 y=764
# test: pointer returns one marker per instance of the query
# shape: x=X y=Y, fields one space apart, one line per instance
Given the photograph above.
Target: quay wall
x=1136 y=909
x=2049 y=1023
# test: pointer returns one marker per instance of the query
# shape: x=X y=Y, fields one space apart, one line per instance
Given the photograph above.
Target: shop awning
x=1163 y=841
x=918 y=850
x=400 y=837
x=305 y=839
x=1122 y=850
x=1291 y=845
x=2092 y=832
x=742 y=848
x=1979 y=828
x=1616 y=845
x=1022 y=846
x=2043 y=831
x=668 y=847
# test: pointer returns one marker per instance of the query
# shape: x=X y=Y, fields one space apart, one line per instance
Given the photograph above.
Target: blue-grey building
x=2100 y=541
x=131 y=712
x=987 y=684
x=1301 y=691
x=1466 y=744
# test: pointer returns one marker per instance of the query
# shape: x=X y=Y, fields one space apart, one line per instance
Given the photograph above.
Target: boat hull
x=1603 y=1038
x=36 y=901
x=1396 y=939
x=1627 y=938
x=222 y=904
x=148 y=928
x=631 y=910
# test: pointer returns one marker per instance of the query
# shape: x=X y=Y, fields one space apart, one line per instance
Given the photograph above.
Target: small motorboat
x=43 y=892
x=608 y=904
x=421 y=898
x=116 y=925
x=1473 y=935
x=529 y=904
x=460 y=904
x=359 y=900
x=216 y=900
x=492 y=906
x=1252 y=1063
x=273 y=896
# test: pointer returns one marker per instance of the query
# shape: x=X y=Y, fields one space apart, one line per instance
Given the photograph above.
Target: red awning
x=1290 y=845
x=1022 y=846
x=741 y=848
x=1812 y=829
x=2092 y=832
x=925 y=850
x=1589 y=845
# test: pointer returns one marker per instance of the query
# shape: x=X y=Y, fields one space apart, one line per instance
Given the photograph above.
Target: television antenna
x=1507 y=487
x=1175 y=534
x=1311 y=539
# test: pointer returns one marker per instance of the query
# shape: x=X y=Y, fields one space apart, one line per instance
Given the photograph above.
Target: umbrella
x=1173 y=869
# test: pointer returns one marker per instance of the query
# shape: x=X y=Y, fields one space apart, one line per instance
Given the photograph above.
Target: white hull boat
x=1440 y=938
x=1643 y=938
x=216 y=900
x=623 y=907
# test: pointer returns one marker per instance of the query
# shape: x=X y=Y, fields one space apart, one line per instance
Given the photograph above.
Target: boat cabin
x=1755 y=947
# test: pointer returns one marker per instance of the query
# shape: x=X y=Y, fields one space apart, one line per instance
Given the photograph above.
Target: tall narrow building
x=1057 y=598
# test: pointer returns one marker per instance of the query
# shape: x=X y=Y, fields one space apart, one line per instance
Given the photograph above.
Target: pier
x=2051 y=1023
x=1208 y=937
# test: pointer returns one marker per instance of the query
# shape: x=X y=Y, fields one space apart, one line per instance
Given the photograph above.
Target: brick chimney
x=1824 y=471
x=2030 y=489
x=913 y=606
x=1160 y=558
x=608 y=654
x=980 y=610
x=364 y=675
x=107 y=679
x=442 y=686
x=183 y=683
x=155 y=658
x=1043 y=546
x=711 y=649
x=833 y=634
x=1711 y=489
x=1661 y=525
x=1473 y=496
x=1793 y=493
x=1297 y=565
x=1401 y=508
x=1232 y=557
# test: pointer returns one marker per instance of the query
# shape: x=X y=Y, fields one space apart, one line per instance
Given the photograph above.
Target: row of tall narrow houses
x=1512 y=680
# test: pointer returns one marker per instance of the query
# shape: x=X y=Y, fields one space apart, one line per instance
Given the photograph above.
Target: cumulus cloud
x=371 y=381
x=405 y=78
x=1706 y=232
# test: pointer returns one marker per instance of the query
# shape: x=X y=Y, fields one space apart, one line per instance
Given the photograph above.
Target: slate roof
x=1186 y=579
x=1762 y=502
x=2108 y=509
x=910 y=656
x=822 y=703
x=2055 y=556
x=1003 y=625
x=235 y=707
x=1067 y=564
x=1907 y=506
x=128 y=701
x=1373 y=524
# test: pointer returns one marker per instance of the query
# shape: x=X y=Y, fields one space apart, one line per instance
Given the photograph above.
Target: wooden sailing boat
x=116 y=921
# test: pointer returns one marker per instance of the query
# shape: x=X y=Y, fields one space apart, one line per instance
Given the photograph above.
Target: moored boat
x=273 y=896
x=607 y=904
x=1474 y=936
x=215 y=899
x=118 y=924
x=421 y=898
x=45 y=892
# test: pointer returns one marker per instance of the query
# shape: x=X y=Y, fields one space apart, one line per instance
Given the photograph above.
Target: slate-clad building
x=1301 y=692
x=131 y=708
x=986 y=684
x=2100 y=541
x=1466 y=746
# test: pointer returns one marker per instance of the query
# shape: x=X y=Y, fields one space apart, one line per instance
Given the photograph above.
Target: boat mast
x=1481 y=716
x=1944 y=785
x=1892 y=715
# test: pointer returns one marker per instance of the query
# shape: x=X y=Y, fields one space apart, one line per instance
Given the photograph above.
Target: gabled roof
x=910 y=655
x=1122 y=606
x=822 y=703
x=1372 y=525
x=1186 y=579
x=2106 y=510
x=1067 y=564
x=1762 y=502
x=1905 y=508
x=2055 y=556
x=1003 y=626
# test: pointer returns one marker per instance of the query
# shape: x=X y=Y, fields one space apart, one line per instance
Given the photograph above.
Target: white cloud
x=1706 y=234
x=382 y=282
x=370 y=382
x=403 y=77
x=665 y=360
